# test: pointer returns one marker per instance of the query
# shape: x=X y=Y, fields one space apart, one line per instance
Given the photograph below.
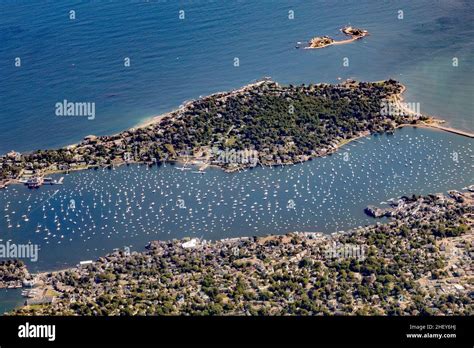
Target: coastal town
x=277 y=125
x=417 y=263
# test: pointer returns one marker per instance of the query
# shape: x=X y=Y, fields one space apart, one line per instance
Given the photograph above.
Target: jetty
x=325 y=41
x=431 y=122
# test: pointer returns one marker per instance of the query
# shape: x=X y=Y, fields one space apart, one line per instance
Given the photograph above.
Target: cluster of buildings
x=223 y=116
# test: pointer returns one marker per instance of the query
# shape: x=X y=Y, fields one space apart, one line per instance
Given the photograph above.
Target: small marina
x=38 y=181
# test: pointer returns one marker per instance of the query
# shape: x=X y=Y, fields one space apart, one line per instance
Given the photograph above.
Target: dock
x=38 y=181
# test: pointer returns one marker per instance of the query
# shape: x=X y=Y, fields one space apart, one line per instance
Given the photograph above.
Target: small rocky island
x=324 y=41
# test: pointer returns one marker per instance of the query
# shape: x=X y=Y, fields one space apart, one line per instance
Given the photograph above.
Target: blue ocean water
x=174 y=60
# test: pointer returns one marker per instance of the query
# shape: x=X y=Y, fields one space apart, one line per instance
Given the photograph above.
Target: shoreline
x=319 y=235
x=354 y=33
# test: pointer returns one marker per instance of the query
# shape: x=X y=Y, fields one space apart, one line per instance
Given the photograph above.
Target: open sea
x=430 y=50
